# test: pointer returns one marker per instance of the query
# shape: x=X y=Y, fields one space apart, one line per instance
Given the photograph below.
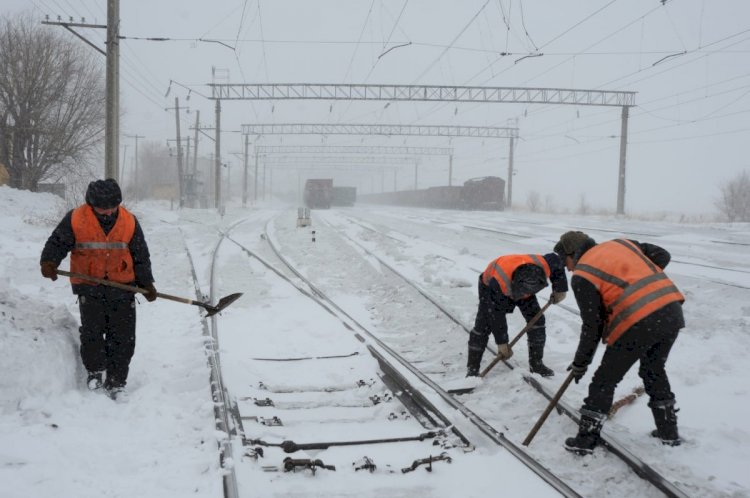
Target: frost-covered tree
x=51 y=101
x=734 y=201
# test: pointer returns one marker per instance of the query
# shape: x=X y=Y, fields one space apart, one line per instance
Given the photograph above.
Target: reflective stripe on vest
x=99 y=255
x=631 y=285
x=101 y=245
x=502 y=268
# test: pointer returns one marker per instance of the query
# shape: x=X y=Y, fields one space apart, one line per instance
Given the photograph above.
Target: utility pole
x=136 y=137
x=195 y=159
x=244 y=179
x=112 y=131
x=255 y=179
x=509 y=202
x=180 y=173
x=623 y=153
x=217 y=157
x=124 y=156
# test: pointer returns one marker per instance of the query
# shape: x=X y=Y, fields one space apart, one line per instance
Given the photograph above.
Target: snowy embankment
x=56 y=438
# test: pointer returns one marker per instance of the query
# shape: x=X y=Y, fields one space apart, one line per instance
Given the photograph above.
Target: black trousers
x=108 y=335
x=648 y=342
x=491 y=319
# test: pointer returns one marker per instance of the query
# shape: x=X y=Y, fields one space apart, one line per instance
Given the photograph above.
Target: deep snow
x=57 y=439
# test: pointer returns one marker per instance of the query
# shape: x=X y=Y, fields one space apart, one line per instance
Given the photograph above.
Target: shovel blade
x=223 y=303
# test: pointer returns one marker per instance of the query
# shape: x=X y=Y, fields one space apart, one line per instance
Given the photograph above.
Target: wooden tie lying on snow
x=626 y=400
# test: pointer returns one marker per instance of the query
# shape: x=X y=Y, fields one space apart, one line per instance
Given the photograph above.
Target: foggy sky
x=686 y=60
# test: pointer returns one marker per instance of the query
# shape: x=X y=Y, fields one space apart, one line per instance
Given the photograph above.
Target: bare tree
x=734 y=202
x=534 y=201
x=51 y=102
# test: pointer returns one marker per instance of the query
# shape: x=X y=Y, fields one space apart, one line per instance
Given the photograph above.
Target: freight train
x=485 y=193
x=318 y=193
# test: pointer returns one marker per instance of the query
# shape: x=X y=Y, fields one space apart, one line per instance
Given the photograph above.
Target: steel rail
x=489 y=431
x=642 y=469
x=222 y=407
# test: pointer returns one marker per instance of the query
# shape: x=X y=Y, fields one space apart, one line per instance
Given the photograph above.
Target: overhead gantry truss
x=352 y=149
x=380 y=129
x=340 y=160
x=429 y=93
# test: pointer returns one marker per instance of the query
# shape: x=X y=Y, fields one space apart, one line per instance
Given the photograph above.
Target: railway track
x=300 y=427
x=639 y=467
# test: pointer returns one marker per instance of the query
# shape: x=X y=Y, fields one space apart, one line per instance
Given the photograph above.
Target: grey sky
x=686 y=133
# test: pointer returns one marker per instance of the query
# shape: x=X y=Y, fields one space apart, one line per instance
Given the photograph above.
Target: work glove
x=504 y=351
x=578 y=371
x=558 y=297
x=49 y=270
x=151 y=294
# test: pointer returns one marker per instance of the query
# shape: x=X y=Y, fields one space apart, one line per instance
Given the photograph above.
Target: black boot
x=473 y=362
x=94 y=380
x=536 y=352
x=588 y=434
x=665 y=417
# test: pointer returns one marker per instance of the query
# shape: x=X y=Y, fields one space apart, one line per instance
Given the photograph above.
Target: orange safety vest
x=631 y=285
x=99 y=255
x=503 y=267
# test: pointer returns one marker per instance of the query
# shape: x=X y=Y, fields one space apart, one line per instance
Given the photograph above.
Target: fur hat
x=104 y=194
x=571 y=244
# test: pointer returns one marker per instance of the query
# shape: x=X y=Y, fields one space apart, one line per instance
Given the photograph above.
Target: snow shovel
x=547 y=410
x=512 y=343
x=212 y=310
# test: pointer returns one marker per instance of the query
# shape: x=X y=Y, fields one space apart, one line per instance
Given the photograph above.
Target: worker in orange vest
x=105 y=241
x=509 y=281
x=628 y=302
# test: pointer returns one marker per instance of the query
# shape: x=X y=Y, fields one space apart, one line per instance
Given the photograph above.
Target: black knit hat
x=104 y=194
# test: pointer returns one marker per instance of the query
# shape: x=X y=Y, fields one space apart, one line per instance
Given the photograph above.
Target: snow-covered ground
x=57 y=439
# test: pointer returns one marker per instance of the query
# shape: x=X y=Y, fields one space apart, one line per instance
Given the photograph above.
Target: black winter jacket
x=593 y=312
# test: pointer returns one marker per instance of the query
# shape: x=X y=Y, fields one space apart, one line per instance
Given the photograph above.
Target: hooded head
x=104 y=194
x=573 y=244
x=527 y=280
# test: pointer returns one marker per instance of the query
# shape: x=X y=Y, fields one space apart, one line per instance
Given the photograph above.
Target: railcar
x=344 y=196
x=487 y=193
x=318 y=193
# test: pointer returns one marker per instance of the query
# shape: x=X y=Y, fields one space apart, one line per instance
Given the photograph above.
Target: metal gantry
x=437 y=93
x=429 y=93
x=380 y=129
x=391 y=130
x=353 y=149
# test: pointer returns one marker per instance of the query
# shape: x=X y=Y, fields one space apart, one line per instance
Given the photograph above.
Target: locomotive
x=318 y=193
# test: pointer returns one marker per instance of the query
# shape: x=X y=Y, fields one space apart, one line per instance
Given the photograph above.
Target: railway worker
x=105 y=241
x=510 y=281
x=628 y=302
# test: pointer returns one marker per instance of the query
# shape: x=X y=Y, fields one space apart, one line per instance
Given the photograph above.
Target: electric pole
x=244 y=179
x=194 y=190
x=217 y=157
x=180 y=173
x=135 y=181
x=112 y=131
